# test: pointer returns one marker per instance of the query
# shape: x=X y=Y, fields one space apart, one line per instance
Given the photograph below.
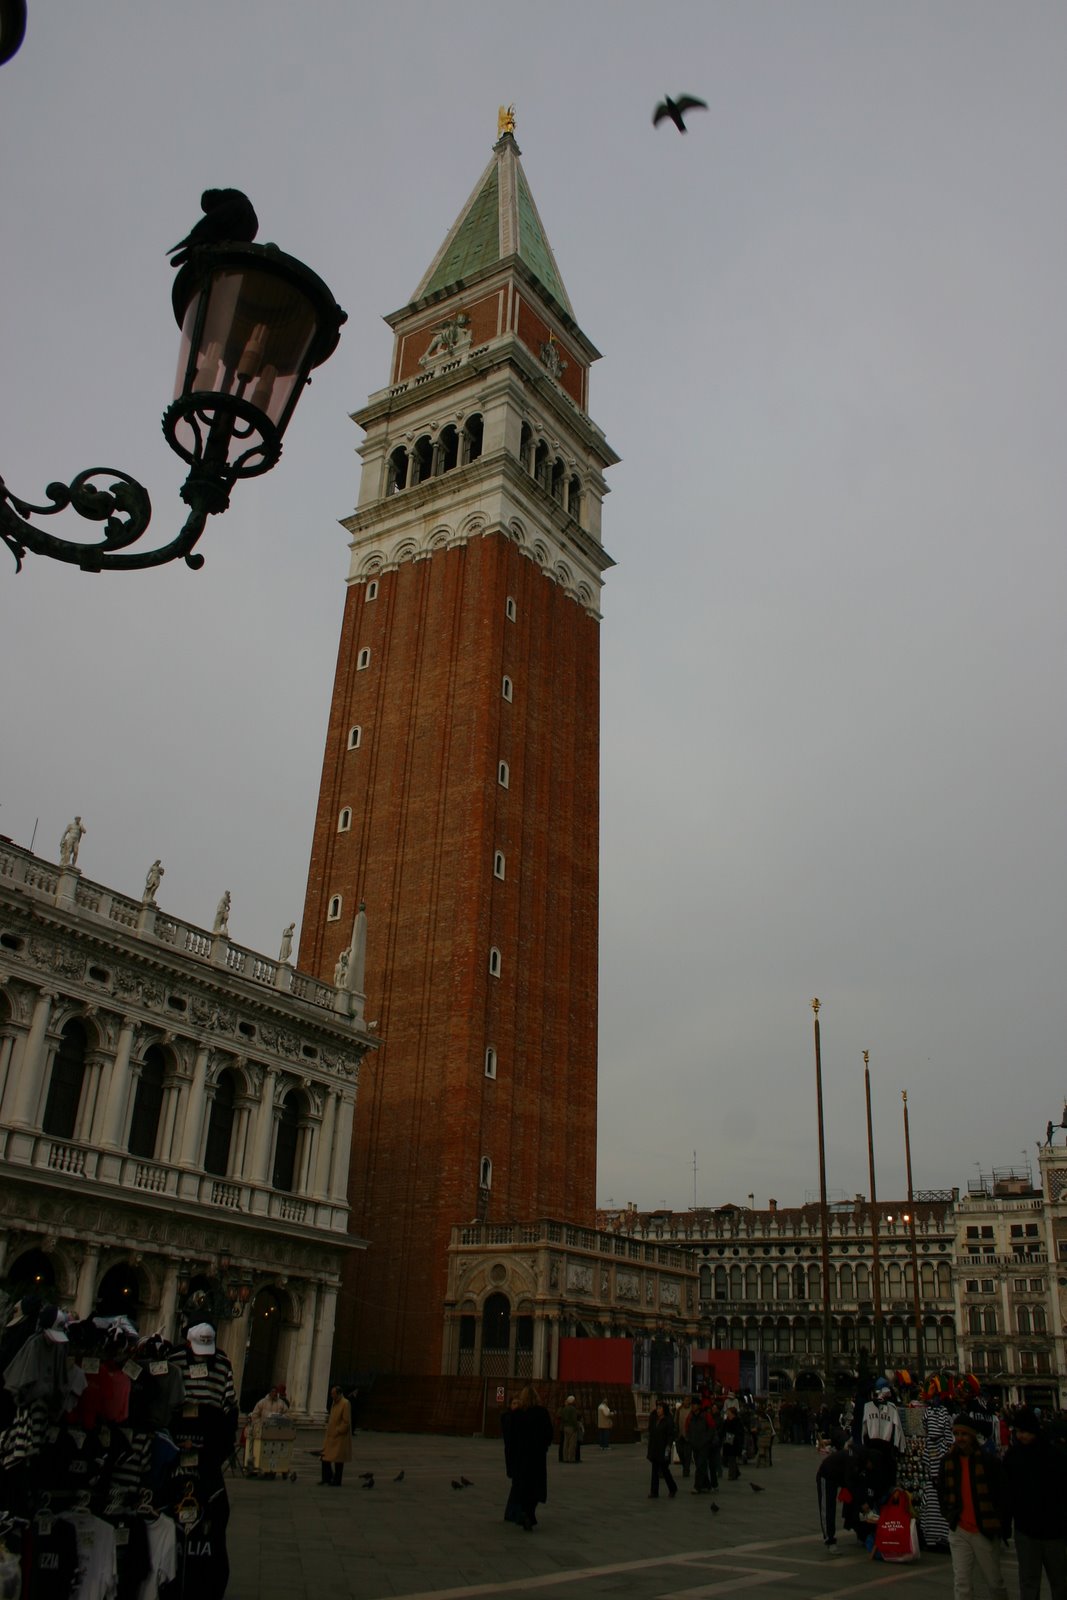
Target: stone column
x=31 y=1067
x=299 y=1377
x=321 y=1185
x=311 y=1134
x=540 y=1349
x=168 y=1120
x=195 y=1104
x=263 y=1129
x=7 y=1055
x=118 y=1088
x=168 y=1301
x=342 y=1148
x=319 y=1383
x=85 y=1294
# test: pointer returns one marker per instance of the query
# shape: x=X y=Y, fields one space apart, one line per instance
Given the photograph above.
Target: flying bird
x=456 y=1485
x=675 y=109
x=369 y=1483
x=399 y=1477
x=228 y=219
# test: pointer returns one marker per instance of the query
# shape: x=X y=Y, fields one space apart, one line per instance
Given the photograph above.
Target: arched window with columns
x=291 y=1118
x=147 y=1104
x=65 y=1084
x=220 y=1125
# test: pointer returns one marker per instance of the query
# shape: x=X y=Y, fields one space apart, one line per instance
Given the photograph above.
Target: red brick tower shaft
x=459 y=794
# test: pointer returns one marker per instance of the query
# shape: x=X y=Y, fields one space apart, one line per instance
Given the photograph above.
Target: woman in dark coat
x=660 y=1439
x=528 y=1436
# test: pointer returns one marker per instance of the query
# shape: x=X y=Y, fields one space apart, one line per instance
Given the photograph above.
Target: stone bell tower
x=459 y=793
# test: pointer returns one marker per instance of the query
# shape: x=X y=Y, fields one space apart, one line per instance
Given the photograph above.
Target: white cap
x=201 y=1337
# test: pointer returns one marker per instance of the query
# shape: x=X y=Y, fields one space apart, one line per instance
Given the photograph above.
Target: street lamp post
x=254 y=322
x=911 y=1220
x=879 y=1324
x=824 y=1218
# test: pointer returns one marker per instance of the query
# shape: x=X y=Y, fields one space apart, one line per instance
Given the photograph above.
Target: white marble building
x=175 y=1121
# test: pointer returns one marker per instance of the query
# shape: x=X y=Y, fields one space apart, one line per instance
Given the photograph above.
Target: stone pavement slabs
x=598 y=1535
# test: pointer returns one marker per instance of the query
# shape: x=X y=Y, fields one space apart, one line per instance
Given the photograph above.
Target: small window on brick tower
x=498 y=864
x=490 y=1062
x=333 y=910
x=506 y=688
x=344 y=821
x=485 y=1173
x=363 y=660
x=372 y=591
x=494 y=962
x=509 y=609
x=503 y=775
x=355 y=738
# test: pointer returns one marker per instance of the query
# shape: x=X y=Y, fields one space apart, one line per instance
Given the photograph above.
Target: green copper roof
x=477 y=241
x=533 y=246
x=500 y=219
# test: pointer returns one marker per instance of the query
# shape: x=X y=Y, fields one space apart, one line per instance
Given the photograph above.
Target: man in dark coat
x=702 y=1438
x=526 y=1445
x=733 y=1441
x=1035 y=1472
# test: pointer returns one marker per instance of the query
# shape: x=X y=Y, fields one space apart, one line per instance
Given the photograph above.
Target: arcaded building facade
x=175 y=1124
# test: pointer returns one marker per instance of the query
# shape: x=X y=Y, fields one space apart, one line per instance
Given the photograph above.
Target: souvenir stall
x=112 y=1448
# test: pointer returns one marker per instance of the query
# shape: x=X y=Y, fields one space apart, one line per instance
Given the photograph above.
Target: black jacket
x=1036 y=1479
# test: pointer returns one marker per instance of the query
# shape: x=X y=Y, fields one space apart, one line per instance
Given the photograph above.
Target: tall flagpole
x=919 y=1363
x=824 y=1218
x=879 y=1324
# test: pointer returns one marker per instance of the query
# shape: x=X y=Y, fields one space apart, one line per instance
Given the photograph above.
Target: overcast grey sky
x=835 y=341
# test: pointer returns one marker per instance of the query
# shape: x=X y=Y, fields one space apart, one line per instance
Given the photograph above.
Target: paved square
x=599 y=1534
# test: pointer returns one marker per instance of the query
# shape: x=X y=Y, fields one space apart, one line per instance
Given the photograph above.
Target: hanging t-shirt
x=163 y=1555
x=51 y=1559
x=97 y=1557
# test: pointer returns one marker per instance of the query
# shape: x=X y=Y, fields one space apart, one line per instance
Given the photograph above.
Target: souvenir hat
x=201 y=1339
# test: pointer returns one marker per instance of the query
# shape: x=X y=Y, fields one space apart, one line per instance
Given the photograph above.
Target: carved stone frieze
x=56 y=957
x=579 y=1277
x=62 y=1217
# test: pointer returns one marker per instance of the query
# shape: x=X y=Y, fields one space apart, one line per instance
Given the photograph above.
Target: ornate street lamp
x=254 y=322
x=12 y=27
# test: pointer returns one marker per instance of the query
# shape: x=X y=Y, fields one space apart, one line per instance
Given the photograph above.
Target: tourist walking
x=733 y=1442
x=337 y=1443
x=764 y=1438
x=605 y=1417
x=1035 y=1473
x=526 y=1449
x=682 y=1440
x=660 y=1439
x=569 y=1420
x=970 y=1487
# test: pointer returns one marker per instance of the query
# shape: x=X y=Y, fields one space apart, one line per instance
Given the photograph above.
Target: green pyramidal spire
x=498 y=221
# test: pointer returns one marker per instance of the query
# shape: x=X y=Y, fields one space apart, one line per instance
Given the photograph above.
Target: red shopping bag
x=896 y=1537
